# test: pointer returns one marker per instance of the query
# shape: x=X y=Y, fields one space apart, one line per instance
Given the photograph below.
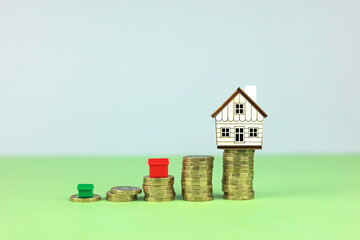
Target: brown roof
x=239 y=90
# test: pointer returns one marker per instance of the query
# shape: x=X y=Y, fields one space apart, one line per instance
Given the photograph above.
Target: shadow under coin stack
x=196 y=178
x=238 y=174
x=122 y=194
x=159 y=189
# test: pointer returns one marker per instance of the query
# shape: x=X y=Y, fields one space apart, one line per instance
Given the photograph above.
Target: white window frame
x=238 y=109
x=226 y=132
x=254 y=132
x=240 y=132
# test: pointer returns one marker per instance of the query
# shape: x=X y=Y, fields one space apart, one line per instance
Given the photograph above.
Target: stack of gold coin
x=196 y=178
x=122 y=194
x=238 y=174
x=94 y=198
x=159 y=189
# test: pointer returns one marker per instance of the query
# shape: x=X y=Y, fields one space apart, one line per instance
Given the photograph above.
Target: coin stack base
x=238 y=174
x=123 y=194
x=75 y=198
x=196 y=178
x=159 y=189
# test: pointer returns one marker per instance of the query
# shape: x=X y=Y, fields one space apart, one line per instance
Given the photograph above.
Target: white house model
x=239 y=121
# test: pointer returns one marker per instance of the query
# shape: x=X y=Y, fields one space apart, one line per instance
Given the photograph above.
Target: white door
x=239 y=134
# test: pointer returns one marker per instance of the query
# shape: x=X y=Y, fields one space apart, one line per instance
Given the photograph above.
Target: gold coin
x=236 y=163
x=196 y=168
x=160 y=191
x=197 y=195
x=196 y=171
x=198 y=199
x=196 y=187
x=232 y=167
x=199 y=161
x=243 y=151
x=116 y=195
x=232 y=175
x=159 y=181
x=230 y=162
x=236 y=174
x=187 y=183
x=123 y=199
x=238 y=193
x=236 y=179
x=151 y=199
x=239 y=185
x=147 y=187
x=237 y=156
x=250 y=192
x=197 y=179
x=238 y=159
x=196 y=176
x=237 y=182
x=198 y=158
x=208 y=176
x=240 y=196
x=193 y=191
x=126 y=190
x=207 y=173
x=160 y=195
x=235 y=159
x=230 y=170
x=195 y=184
x=198 y=164
x=242 y=175
x=75 y=198
x=238 y=189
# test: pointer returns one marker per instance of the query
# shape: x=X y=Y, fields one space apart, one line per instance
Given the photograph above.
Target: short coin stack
x=196 y=178
x=159 y=189
x=76 y=198
x=238 y=174
x=122 y=194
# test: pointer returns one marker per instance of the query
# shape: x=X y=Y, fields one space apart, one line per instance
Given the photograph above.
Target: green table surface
x=296 y=197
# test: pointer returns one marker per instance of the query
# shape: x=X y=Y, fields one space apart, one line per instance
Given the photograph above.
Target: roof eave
x=239 y=90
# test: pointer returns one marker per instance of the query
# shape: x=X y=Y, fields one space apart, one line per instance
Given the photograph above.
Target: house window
x=253 y=132
x=239 y=134
x=225 y=132
x=239 y=108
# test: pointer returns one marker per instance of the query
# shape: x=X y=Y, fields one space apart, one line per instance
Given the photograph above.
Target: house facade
x=239 y=121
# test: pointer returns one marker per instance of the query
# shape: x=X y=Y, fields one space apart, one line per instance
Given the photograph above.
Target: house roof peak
x=239 y=91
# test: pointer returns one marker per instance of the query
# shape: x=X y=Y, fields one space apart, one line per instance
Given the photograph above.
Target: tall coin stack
x=196 y=178
x=159 y=189
x=238 y=174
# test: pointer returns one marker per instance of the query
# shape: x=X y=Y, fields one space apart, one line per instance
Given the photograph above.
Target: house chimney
x=251 y=92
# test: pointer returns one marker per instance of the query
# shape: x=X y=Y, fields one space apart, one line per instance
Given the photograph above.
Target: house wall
x=230 y=141
x=228 y=118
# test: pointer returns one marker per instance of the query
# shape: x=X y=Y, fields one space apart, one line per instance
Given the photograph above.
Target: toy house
x=158 y=167
x=239 y=121
x=85 y=190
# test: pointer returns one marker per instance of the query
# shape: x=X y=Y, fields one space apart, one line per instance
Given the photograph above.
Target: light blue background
x=143 y=77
